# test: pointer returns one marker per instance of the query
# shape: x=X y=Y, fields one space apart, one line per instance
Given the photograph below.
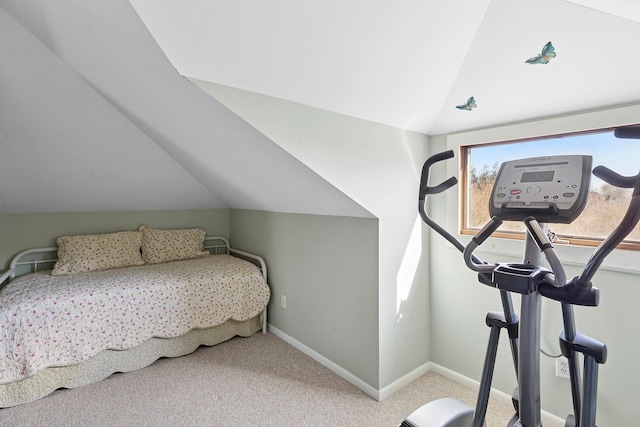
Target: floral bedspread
x=63 y=320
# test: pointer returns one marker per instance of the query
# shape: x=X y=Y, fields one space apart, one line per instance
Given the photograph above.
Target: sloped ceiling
x=66 y=148
x=93 y=117
x=96 y=112
x=408 y=63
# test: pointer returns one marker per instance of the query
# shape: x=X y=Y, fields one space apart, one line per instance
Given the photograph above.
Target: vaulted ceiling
x=408 y=63
x=94 y=116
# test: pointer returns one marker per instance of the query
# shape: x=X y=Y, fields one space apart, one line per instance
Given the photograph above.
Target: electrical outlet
x=562 y=367
x=283 y=301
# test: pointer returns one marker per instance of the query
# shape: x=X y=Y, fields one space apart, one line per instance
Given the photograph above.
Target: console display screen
x=541 y=176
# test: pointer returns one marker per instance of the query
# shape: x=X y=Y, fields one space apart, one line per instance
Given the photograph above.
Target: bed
x=66 y=324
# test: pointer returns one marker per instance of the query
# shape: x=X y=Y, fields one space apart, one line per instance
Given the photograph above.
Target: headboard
x=29 y=260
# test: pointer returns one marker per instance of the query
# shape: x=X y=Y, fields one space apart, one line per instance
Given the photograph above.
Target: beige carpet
x=256 y=381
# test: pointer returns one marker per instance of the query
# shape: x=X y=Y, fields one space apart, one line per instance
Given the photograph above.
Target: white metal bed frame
x=107 y=362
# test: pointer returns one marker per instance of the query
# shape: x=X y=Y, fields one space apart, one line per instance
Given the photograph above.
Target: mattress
x=50 y=321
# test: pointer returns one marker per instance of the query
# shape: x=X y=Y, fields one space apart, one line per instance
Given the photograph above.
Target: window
x=605 y=206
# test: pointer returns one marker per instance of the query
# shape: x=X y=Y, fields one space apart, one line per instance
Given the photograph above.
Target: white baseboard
x=338 y=370
x=343 y=373
x=404 y=381
x=547 y=418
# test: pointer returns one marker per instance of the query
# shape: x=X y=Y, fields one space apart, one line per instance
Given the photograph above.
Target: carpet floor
x=256 y=381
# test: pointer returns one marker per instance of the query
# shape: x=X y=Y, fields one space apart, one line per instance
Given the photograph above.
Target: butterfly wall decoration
x=470 y=104
x=548 y=52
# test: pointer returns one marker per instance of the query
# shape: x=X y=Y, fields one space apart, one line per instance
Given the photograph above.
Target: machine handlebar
x=425 y=189
x=476 y=241
x=558 y=278
x=617 y=180
x=626 y=226
x=424 y=179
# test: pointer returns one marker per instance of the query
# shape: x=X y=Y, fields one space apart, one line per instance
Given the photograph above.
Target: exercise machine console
x=553 y=189
x=537 y=191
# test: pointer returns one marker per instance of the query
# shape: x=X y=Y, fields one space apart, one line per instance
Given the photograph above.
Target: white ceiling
x=408 y=63
x=623 y=8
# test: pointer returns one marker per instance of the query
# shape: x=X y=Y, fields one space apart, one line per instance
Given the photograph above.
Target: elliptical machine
x=537 y=191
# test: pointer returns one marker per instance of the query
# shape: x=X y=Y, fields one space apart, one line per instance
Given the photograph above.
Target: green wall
x=327 y=267
x=378 y=167
x=24 y=231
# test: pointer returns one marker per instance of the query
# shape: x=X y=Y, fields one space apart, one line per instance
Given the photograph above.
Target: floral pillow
x=94 y=252
x=171 y=245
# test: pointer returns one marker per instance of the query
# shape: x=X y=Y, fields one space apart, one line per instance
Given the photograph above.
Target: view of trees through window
x=606 y=204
